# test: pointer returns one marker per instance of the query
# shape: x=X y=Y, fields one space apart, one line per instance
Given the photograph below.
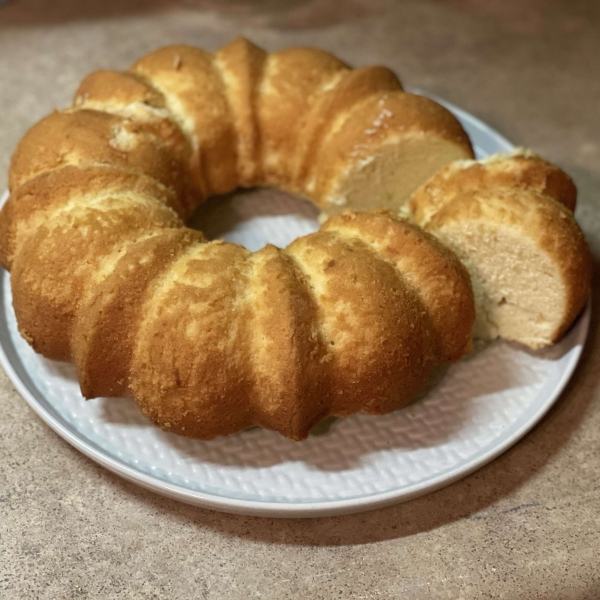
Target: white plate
x=479 y=409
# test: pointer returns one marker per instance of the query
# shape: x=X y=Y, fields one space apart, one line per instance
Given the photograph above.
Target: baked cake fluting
x=207 y=337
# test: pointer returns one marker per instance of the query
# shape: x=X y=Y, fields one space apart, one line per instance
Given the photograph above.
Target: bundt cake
x=509 y=218
x=207 y=337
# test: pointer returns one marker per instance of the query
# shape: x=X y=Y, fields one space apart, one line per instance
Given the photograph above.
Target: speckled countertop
x=526 y=526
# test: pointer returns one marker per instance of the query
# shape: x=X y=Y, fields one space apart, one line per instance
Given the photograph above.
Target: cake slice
x=509 y=220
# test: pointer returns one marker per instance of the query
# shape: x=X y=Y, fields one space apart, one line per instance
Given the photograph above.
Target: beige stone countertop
x=525 y=526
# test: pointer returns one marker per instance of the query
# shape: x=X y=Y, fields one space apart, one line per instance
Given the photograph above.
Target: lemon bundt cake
x=207 y=337
x=509 y=218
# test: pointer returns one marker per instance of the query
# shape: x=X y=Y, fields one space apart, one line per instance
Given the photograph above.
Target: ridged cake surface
x=207 y=337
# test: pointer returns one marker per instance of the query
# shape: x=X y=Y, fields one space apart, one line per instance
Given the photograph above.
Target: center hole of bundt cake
x=256 y=217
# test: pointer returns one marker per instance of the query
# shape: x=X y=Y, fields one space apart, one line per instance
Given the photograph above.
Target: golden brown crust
x=242 y=64
x=89 y=137
x=194 y=323
x=429 y=269
x=51 y=277
x=292 y=388
x=207 y=337
x=517 y=171
x=394 y=118
x=292 y=81
x=196 y=97
x=33 y=203
x=114 y=87
x=332 y=108
x=105 y=328
x=381 y=347
x=127 y=95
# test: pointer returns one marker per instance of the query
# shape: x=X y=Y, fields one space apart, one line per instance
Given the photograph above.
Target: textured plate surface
x=477 y=410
